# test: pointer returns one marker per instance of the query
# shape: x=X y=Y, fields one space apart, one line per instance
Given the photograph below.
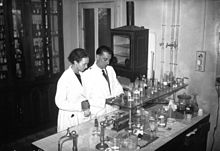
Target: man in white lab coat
x=100 y=82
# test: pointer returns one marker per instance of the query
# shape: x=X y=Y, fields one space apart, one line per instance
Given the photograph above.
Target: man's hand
x=110 y=100
x=87 y=113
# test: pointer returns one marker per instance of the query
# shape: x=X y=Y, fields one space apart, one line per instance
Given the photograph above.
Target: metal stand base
x=101 y=146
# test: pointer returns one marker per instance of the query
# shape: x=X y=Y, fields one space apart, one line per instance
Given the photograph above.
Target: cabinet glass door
x=55 y=32
x=18 y=35
x=38 y=38
x=46 y=37
x=121 y=47
x=3 y=51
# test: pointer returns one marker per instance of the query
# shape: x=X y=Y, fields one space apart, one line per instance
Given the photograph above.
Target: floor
x=24 y=144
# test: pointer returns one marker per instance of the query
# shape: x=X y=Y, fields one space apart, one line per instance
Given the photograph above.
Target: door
x=95 y=22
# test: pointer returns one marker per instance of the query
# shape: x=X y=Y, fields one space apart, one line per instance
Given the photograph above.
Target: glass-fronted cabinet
x=31 y=61
x=47 y=37
x=3 y=50
x=31 y=40
x=130 y=46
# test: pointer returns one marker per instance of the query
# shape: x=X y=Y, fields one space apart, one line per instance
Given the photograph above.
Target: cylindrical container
x=130 y=13
x=115 y=144
x=153 y=126
x=130 y=143
x=142 y=92
x=200 y=112
x=183 y=101
x=86 y=108
x=136 y=94
x=146 y=122
x=162 y=121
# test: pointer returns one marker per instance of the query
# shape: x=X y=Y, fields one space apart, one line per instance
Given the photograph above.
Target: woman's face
x=83 y=64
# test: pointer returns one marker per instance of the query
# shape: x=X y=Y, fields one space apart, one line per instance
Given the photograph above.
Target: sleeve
x=86 y=84
x=62 y=98
x=117 y=87
x=89 y=84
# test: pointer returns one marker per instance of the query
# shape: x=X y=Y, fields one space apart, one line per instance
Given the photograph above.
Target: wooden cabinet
x=32 y=38
x=130 y=46
x=4 y=65
x=194 y=138
x=31 y=61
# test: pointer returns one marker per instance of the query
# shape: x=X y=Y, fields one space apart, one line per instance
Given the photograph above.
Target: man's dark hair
x=77 y=55
x=102 y=49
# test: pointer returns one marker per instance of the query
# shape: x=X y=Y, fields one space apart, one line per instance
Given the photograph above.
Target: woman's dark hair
x=102 y=49
x=77 y=55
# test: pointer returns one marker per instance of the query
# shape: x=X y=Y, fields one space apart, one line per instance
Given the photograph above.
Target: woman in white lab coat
x=70 y=93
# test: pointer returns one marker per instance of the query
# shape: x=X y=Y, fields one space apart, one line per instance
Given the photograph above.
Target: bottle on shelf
x=143 y=86
x=136 y=94
x=18 y=70
x=162 y=118
x=136 y=91
x=194 y=103
x=189 y=111
x=137 y=82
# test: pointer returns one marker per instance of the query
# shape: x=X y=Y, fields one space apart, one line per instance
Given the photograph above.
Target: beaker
x=115 y=144
x=153 y=126
x=130 y=143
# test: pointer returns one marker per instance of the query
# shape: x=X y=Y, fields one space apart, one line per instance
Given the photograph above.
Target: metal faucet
x=69 y=136
x=102 y=145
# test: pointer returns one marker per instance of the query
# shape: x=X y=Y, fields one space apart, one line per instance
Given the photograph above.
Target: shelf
x=121 y=55
x=122 y=45
x=144 y=100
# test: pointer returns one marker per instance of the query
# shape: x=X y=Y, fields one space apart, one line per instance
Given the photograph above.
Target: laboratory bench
x=180 y=134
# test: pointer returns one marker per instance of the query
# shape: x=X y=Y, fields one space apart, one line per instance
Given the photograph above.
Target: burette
x=172 y=36
x=177 y=37
x=163 y=39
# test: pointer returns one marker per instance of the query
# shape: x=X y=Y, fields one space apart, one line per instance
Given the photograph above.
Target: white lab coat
x=97 y=89
x=69 y=96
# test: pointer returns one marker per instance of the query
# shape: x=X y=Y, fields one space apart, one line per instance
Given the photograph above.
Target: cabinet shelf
x=122 y=45
x=121 y=55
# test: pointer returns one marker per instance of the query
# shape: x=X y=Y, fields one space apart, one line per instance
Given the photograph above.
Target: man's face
x=103 y=60
x=83 y=64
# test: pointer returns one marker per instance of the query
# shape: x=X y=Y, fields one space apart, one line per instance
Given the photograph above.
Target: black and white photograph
x=110 y=75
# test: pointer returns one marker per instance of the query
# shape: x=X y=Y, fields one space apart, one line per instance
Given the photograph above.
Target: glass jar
x=183 y=100
x=162 y=118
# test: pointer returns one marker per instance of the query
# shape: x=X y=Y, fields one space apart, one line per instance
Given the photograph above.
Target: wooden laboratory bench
x=181 y=135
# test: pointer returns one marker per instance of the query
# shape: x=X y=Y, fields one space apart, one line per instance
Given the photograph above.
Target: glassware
x=130 y=143
x=114 y=144
x=86 y=108
x=162 y=118
x=96 y=130
x=194 y=102
x=183 y=101
x=153 y=126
